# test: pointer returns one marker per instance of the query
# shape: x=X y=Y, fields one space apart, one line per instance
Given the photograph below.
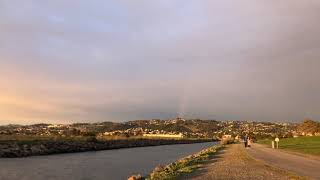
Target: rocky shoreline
x=17 y=149
x=180 y=167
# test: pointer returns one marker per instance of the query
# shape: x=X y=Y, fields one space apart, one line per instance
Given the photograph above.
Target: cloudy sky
x=117 y=60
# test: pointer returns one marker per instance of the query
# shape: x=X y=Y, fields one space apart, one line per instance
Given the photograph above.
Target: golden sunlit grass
x=306 y=145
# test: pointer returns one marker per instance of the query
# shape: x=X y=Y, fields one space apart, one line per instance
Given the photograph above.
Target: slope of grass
x=306 y=145
x=184 y=165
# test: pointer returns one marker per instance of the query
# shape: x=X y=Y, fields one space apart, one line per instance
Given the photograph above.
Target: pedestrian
x=249 y=141
x=245 y=140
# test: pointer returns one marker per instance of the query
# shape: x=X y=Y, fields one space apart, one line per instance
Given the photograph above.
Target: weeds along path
x=234 y=163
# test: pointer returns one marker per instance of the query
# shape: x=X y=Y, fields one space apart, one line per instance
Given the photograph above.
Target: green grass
x=305 y=145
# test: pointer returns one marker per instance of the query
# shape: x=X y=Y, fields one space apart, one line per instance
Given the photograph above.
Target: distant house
x=237 y=137
x=55 y=125
x=295 y=134
x=164 y=135
x=227 y=136
x=309 y=134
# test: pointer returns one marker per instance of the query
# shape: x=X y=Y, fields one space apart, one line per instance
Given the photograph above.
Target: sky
x=119 y=60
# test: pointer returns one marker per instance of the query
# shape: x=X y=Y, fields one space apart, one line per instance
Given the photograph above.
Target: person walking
x=249 y=141
x=245 y=140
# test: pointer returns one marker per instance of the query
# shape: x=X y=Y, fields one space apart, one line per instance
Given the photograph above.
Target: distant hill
x=189 y=128
x=309 y=127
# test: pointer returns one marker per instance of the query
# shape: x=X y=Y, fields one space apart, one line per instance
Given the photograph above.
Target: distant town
x=175 y=128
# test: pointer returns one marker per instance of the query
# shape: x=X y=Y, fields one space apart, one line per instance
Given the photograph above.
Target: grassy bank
x=184 y=165
x=21 y=146
x=305 y=145
x=34 y=138
x=29 y=139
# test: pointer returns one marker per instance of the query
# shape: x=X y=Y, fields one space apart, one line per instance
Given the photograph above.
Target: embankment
x=14 y=149
x=182 y=166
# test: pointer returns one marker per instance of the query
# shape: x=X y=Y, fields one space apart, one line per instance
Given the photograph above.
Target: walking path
x=234 y=163
x=300 y=165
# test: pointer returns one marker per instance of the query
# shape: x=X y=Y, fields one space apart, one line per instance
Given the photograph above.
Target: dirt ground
x=234 y=163
x=298 y=163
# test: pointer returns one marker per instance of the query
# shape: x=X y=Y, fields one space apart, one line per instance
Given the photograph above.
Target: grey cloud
x=220 y=59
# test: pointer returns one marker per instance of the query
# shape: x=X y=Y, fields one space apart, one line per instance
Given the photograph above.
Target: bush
x=227 y=141
x=92 y=139
x=136 y=177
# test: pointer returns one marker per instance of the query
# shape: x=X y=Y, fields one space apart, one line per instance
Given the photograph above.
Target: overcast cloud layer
x=77 y=61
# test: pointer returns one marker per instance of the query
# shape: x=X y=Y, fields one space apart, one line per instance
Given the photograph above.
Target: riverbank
x=15 y=149
x=182 y=166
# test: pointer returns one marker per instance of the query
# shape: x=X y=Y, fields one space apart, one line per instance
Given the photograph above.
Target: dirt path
x=234 y=163
x=300 y=165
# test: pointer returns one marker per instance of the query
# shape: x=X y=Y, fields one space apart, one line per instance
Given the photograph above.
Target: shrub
x=136 y=177
x=92 y=139
x=227 y=141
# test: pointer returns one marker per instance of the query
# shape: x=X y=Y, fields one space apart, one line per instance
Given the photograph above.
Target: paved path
x=234 y=163
x=298 y=164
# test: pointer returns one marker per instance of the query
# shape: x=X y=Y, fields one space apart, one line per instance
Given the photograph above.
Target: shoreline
x=180 y=167
x=16 y=149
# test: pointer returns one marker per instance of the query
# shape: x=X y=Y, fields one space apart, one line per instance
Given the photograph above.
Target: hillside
x=309 y=127
x=189 y=128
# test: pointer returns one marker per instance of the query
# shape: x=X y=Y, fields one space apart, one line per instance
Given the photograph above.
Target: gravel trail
x=304 y=166
x=234 y=163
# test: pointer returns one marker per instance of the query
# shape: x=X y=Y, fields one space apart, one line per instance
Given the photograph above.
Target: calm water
x=104 y=165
